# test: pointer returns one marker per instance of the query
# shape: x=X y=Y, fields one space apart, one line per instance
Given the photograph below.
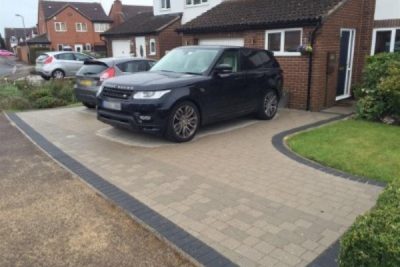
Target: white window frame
x=192 y=4
x=152 y=53
x=282 y=52
x=101 y=27
x=392 y=38
x=79 y=27
x=86 y=46
x=60 y=23
x=164 y=2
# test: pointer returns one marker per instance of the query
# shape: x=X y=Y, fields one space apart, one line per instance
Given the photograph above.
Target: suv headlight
x=150 y=94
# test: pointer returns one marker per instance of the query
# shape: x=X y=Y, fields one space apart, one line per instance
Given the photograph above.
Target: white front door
x=140 y=43
x=121 y=48
x=346 y=56
x=222 y=41
x=78 y=48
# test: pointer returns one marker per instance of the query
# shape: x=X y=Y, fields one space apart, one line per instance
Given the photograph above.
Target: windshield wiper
x=192 y=73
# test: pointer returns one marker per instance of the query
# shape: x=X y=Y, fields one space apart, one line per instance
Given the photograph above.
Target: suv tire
x=88 y=105
x=183 y=122
x=268 y=105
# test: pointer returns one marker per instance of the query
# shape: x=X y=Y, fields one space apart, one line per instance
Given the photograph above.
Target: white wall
x=189 y=12
x=387 y=9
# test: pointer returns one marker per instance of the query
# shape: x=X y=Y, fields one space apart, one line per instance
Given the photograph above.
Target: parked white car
x=60 y=64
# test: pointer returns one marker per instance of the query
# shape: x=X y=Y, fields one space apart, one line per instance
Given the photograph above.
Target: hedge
x=374 y=239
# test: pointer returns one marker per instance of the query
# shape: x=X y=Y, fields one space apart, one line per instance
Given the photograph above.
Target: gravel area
x=50 y=218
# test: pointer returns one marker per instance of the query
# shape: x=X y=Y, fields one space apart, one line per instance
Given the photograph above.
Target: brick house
x=339 y=32
x=386 y=28
x=74 y=24
x=120 y=13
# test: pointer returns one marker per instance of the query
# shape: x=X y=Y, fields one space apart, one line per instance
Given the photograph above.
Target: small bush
x=49 y=102
x=379 y=95
x=374 y=239
x=14 y=103
x=35 y=94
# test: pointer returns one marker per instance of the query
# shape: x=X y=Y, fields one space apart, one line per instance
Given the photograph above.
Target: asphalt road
x=7 y=65
x=49 y=218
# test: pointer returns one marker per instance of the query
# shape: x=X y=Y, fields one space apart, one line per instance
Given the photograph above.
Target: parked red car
x=5 y=53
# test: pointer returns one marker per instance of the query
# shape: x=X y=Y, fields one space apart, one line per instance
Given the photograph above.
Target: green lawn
x=358 y=147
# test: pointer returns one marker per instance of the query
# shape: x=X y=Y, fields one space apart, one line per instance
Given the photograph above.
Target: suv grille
x=116 y=93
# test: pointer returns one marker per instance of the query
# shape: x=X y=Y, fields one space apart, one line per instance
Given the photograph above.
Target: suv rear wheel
x=183 y=122
x=268 y=106
x=58 y=74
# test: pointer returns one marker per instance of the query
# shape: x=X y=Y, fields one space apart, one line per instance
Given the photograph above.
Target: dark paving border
x=188 y=244
x=328 y=258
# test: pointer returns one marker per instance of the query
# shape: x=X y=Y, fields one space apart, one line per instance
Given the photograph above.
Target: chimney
x=116 y=13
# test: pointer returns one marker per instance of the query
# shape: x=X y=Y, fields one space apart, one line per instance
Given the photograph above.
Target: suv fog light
x=145 y=118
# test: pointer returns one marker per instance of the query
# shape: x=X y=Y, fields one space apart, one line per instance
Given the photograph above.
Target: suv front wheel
x=268 y=105
x=183 y=122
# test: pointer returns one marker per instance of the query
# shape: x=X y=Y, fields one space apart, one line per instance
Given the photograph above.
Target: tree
x=2 y=43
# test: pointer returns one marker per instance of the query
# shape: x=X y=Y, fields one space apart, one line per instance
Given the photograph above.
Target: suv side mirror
x=223 y=69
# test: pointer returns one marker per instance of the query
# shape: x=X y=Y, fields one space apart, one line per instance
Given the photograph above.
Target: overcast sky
x=28 y=9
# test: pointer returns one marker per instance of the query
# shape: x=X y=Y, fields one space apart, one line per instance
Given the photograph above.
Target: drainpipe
x=310 y=64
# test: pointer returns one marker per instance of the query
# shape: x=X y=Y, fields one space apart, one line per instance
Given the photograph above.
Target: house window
x=101 y=27
x=153 y=49
x=60 y=47
x=60 y=26
x=284 y=42
x=88 y=47
x=165 y=4
x=81 y=27
x=386 y=40
x=195 y=2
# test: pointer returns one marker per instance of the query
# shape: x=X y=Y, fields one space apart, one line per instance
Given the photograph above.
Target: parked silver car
x=93 y=72
x=59 y=64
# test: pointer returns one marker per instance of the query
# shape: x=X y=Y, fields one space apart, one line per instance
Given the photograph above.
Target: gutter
x=310 y=65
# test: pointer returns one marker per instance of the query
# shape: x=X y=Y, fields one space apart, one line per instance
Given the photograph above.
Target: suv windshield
x=187 y=60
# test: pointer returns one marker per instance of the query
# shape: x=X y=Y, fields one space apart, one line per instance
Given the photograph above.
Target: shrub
x=374 y=239
x=49 y=102
x=14 y=103
x=379 y=94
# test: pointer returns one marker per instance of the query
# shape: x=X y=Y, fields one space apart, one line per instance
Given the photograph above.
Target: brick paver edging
x=175 y=236
x=329 y=257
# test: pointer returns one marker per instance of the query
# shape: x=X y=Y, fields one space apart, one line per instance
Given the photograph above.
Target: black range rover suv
x=192 y=86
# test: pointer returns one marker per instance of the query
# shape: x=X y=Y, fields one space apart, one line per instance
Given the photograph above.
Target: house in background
x=120 y=13
x=337 y=31
x=386 y=32
x=77 y=25
x=153 y=34
x=16 y=36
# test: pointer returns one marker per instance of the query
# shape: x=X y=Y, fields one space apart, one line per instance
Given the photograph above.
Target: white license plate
x=112 y=105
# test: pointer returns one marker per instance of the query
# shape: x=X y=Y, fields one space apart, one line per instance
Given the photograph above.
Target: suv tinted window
x=91 y=69
x=65 y=56
x=133 y=66
x=254 y=59
x=230 y=58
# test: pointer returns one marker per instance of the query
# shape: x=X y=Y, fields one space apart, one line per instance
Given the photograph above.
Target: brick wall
x=387 y=23
x=354 y=14
x=168 y=39
x=71 y=36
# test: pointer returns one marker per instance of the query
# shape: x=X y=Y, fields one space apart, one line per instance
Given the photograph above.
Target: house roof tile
x=143 y=23
x=250 y=14
x=93 y=11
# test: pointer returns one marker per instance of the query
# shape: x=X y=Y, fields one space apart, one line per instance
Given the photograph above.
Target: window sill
x=152 y=54
x=194 y=6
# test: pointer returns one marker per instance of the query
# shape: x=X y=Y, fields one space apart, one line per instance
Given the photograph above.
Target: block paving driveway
x=232 y=189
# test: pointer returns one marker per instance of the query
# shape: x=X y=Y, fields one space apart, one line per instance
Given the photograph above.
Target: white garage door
x=222 y=41
x=121 y=48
